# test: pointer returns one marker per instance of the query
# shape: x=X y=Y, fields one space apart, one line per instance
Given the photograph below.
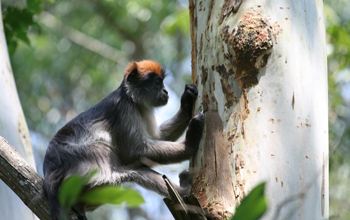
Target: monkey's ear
x=131 y=72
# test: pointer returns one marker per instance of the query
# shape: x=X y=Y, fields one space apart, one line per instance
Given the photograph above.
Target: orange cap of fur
x=145 y=67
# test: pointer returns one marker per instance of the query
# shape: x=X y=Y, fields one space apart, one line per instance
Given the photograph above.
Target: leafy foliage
x=34 y=5
x=17 y=21
x=58 y=78
x=338 y=32
x=253 y=206
x=72 y=192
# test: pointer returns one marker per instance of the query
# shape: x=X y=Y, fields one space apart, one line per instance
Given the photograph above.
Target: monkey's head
x=144 y=82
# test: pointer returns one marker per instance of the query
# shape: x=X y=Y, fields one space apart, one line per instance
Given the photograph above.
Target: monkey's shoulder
x=100 y=132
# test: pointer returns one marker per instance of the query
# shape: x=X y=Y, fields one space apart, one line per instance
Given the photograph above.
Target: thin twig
x=82 y=39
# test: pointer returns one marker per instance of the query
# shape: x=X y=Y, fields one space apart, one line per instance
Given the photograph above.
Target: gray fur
x=117 y=136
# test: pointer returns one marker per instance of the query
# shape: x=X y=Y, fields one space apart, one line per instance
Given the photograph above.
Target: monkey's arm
x=166 y=152
x=172 y=129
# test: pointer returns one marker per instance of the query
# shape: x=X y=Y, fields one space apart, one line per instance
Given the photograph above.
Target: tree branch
x=24 y=181
x=183 y=208
x=82 y=39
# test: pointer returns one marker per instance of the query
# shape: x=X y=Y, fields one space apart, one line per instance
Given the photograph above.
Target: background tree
x=338 y=50
x=13 y=128
x=262 y=83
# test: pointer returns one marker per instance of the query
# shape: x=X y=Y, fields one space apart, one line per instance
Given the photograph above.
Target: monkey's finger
x=192 y=94
x=192 y=88
x=200 y=116
x=185 y=178
x=188 y=97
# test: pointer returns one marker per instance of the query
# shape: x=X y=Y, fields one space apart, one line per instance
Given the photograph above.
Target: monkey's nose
x=165 y=91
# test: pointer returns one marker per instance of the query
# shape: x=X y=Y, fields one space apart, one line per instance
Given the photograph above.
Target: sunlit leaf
x=253 y=206
x=70 y=191
x=112 y=195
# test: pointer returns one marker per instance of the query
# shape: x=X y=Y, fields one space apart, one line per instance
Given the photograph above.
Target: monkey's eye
x=158 y=82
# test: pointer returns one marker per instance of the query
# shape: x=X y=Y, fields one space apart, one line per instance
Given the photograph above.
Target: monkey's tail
x=50 y=190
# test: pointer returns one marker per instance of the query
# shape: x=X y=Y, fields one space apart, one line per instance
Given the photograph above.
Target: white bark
x=275 y=125
x=14 y=129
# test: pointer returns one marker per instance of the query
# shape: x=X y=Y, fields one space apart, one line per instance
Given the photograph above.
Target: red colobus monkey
x=115 y=135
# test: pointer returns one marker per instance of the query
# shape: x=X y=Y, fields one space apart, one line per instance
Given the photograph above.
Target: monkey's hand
x=194 y=132
x=185 y=183
x=188 y=97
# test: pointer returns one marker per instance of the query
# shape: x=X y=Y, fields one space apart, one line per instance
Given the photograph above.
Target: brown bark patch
x=200 y=47
x=205 y=102
x=229 y=7
x=204 y=75
x=248 y=47
x=229 y=94
x=214 y=182
x=199 y=189
x=221 y=69
x=210 y=12
x=214 y=104
x=193 y=26
x=240 y=182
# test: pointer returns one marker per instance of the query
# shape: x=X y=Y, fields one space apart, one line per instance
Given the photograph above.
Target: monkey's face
x=149 y=91
x=161 y=94
x=153 y=91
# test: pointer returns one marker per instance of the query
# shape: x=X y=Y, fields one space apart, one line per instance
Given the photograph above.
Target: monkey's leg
x=154 y=181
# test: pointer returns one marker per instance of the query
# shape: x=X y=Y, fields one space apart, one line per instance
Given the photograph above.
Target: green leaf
x=72 y=188
x=111 y=195
x=16 y=24
x=22 y=35
x=18 y=18
x=253 y=206
x=11 y=46
x=34 y=5
x=70 y=191
x=90 y=175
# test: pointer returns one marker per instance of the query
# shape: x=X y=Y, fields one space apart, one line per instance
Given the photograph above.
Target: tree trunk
x=261 y=71
x=13 y=128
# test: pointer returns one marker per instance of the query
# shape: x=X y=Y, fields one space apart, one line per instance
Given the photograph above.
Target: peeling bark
x=230 y=6
x=214 y=180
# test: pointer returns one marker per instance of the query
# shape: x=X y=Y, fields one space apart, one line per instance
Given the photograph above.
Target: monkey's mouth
x=162 y=100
